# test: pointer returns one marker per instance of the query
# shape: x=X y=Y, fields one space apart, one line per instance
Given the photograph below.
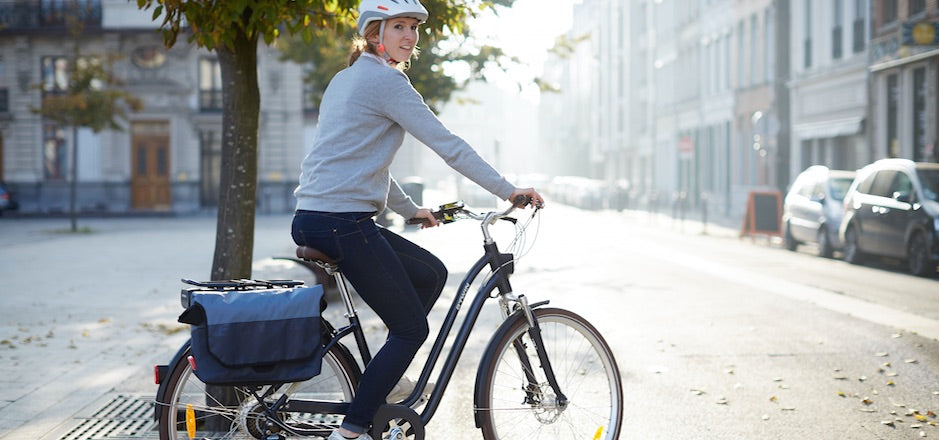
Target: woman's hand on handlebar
x=425 y=217
x=535 y=199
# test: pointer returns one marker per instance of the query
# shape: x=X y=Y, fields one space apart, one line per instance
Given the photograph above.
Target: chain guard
x=398 y=418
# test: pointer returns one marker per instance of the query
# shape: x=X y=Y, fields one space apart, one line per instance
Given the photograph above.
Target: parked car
x=7 y=200
x=813 y=207
x=892 y=209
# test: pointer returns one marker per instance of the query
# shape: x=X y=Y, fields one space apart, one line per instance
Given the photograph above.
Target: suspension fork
x=534 y=332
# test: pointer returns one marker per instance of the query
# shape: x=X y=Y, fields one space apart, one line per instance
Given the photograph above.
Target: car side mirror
x=903 y=196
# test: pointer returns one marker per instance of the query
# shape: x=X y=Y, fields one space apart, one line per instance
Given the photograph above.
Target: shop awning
x=830 y=128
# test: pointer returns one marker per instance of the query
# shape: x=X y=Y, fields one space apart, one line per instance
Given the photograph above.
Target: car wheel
x=918 y=258
x=852 y=253
x=788 y=240
x=825 y=248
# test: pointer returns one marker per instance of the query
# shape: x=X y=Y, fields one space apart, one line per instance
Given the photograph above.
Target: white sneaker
x=403 y=389
x=336 y=436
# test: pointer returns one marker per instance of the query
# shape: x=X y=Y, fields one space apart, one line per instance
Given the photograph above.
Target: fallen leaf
x=765 y=417
x=722 y=400
x=919 y=417
x=867 y=401
x=788 y=408
x=882 y=354
x=773 y=399
x=841 y=393
x=911 y=361
x=888 y=423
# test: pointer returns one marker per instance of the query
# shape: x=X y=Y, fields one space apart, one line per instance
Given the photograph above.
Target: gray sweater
x=365 y=112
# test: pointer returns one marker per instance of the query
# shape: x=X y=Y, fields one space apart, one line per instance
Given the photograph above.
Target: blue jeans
x=398 y=279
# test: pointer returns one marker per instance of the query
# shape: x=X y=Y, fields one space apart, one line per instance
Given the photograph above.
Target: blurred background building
x=662 y=103
x=168 y=156
x=729 y=96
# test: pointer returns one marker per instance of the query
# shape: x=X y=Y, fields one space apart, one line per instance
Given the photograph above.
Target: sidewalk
x=89 y=314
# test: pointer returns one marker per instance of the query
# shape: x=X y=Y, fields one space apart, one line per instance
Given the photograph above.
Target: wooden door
x=150 y=163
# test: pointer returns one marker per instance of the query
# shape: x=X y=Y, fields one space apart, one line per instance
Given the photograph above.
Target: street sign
x=921 y=33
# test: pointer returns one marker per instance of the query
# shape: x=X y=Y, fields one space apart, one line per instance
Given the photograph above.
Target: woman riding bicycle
x=345 y=181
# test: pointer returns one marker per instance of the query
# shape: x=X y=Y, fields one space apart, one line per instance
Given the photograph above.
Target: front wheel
x=919 y=260
x=234 y=413
x=852 y=251
x=514 y=399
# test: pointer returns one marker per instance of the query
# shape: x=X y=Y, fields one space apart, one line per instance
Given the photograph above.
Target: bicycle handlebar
x=448 y=212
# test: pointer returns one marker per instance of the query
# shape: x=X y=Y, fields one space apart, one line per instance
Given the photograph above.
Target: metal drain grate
x=124 y=417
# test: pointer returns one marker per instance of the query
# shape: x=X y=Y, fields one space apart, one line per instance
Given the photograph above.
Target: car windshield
x=930 y=181
x=839 y=187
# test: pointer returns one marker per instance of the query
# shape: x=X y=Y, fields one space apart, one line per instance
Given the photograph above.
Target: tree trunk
x=234 y=235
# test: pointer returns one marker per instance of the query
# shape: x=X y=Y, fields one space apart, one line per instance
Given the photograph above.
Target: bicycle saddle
x=308 y=253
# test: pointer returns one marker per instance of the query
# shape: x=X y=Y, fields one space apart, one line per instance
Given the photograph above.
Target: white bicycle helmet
x=371 y=10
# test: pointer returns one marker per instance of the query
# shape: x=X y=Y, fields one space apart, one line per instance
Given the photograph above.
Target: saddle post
x=332 y=269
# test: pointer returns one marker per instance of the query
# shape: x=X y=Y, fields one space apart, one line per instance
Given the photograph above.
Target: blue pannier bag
x=255 y=336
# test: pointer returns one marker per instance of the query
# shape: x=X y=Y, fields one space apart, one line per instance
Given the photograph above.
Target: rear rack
x=224 y=285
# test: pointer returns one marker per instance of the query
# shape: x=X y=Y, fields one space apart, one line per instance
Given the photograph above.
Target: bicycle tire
x=507 y=408
x=337 y=382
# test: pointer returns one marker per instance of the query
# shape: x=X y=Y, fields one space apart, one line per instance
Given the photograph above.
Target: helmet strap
x=381 y=44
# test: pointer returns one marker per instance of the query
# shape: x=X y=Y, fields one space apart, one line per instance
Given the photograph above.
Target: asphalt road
x=717 y=337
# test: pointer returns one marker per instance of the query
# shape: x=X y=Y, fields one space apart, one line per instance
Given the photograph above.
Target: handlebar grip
x=416 y=221
x=521 y=200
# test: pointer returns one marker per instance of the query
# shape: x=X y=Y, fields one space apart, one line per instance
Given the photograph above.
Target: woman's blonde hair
x=362 y=44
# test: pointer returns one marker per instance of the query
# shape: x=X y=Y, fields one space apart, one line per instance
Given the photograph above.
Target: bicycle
x=546 y=372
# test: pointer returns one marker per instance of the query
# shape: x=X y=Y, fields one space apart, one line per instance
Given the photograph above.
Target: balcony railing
x=34 y=16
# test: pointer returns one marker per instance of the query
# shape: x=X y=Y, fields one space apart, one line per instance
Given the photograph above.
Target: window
x=54 y=75
x=883 y=183
x=836 y=30
x=893 y=107
x=769 y=52
x=901 y=185
x=210 y=84
x=754 y=49
x=859 y=37
x=741 y=63
x=889 y=10
x=807 y=42
x=53 y=151
x=917 y=6
x=920 y=115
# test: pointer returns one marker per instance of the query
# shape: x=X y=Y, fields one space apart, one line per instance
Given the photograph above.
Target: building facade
x=904 y=79
x=168 y=157
x=829 y=84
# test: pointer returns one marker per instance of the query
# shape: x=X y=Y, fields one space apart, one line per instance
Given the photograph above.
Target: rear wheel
x=919 y=260
x=515 y=400
x=825 y=248
x=788 y=240
x=234 y=413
